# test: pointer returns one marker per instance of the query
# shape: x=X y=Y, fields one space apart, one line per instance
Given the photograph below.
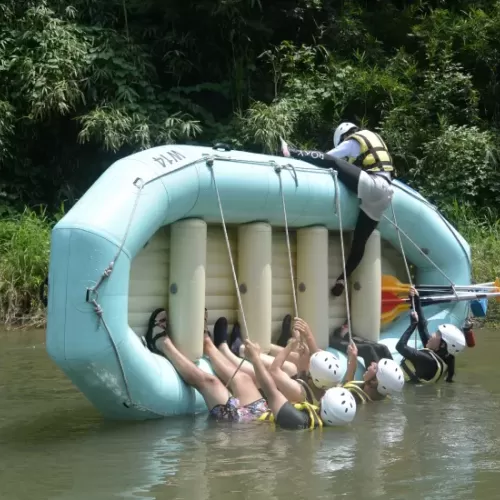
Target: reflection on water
x=431 y=443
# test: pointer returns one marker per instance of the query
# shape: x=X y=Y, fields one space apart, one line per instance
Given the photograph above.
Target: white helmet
x=390 y=377
x=325 y=370
x=454 y=338
x=340 y=131
x=338 y=407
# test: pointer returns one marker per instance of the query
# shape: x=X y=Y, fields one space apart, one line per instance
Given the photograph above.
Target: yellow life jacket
x=410 y=373
x=374 y=155
x=356 y=389
x=312 y=410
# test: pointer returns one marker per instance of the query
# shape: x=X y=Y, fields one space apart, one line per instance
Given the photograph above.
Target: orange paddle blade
x=392 y=284
x=390 y=316
x=390 y=301
x=391 y=307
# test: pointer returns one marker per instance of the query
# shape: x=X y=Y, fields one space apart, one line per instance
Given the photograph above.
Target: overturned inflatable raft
x=151 y=233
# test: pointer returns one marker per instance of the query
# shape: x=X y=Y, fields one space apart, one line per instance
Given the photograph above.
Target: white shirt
x=346 y=149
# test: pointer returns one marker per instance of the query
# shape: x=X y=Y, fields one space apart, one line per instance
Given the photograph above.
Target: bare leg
x=246 y=367
x=274 y=397
x=293 y=357
x=289 y=368
x=211 y=388
x=291 y=389
x=241 y=385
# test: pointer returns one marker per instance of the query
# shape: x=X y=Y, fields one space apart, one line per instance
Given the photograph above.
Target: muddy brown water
x=440 y=442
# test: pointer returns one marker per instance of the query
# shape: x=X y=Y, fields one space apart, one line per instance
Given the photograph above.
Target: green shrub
x=24 y=257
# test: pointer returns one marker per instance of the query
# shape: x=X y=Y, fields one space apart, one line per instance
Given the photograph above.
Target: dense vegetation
x=87 y=81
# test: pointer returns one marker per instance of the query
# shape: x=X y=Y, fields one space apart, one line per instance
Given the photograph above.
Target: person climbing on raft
x=437 y=358
x=367 y=174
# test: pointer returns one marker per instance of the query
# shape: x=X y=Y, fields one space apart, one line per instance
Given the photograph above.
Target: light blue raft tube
x=137 y=196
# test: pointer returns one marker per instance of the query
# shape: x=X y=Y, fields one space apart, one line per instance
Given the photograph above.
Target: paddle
x=392 y=284
x=393 y=306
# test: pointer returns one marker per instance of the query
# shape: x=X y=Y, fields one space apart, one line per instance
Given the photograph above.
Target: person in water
x=437 y=358
x=381 y=379
x=306 y=379
x=243 y=402
x=367 y=173
x=336 y=407
x=371 y=352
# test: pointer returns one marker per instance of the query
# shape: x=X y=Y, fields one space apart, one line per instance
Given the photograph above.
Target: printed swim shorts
x=232 y=411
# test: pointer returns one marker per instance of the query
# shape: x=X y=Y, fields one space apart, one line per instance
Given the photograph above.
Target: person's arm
x=352 y=362
x=304 y=361
x=289 y=387
x=305 y=332
x=423 y=332
x=316 y=158
x=402 y=346
x=282 y=356
x=274 y=397
x=346 y=149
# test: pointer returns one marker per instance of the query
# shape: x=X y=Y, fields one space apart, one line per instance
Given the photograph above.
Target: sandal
x=149 y=337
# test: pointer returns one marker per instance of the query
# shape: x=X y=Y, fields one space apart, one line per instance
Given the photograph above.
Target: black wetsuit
x=369 y=351
x=424 y=361
x=349 y=175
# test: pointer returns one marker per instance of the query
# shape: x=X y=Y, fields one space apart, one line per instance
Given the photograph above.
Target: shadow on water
x=437 y=442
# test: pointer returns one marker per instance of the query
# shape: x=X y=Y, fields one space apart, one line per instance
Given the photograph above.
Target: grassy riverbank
x=25 y=243
x=24 y=257
x=482 y=231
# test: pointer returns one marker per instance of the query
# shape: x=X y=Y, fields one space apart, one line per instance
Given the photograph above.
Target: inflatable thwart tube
x=366 y=289
x=188 y=256
x=140 y=194
x=255 y=280
x=312 y=280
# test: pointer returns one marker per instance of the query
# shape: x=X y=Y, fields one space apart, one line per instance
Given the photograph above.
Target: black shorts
x=289 y=417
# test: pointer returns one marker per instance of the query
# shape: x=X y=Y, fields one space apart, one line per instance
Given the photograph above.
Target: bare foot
x=207 y=344
x=164 y=344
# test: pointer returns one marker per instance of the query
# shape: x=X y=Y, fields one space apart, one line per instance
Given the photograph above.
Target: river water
x=440 y=442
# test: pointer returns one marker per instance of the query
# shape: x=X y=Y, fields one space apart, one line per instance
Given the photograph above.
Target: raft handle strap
x=404 y=260
x=210 y=165
x=278 y=170
x=334 y=174
x=422 y=252
x=130 y=403
x=139 y=183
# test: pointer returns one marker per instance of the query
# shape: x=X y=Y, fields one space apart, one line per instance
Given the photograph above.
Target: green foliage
x=85 y=82
x=460 y=163
x=482 y=231
x=24 y=256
